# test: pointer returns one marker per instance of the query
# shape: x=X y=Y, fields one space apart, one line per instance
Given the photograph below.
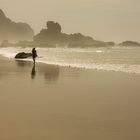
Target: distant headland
x=130 y=43
x=12 y=31
x=51 y=36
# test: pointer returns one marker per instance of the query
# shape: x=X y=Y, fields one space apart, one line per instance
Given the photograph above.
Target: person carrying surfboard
x=34 y=54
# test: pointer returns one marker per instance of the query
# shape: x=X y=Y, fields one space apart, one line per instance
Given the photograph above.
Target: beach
x=50 y=102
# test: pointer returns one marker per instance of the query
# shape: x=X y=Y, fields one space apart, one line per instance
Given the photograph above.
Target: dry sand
x=57 y=103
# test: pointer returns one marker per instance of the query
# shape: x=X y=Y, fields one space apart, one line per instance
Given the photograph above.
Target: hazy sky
x=108 y=20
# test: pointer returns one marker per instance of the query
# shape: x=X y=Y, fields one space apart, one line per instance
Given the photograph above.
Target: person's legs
x=34 y=59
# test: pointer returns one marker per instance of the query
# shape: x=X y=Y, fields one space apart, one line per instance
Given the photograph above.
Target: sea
x=117 y=59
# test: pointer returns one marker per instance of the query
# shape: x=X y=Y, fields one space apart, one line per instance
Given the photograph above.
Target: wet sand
x=48 y=102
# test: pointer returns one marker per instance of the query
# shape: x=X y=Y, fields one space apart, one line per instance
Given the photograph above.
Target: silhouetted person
x=34 y=54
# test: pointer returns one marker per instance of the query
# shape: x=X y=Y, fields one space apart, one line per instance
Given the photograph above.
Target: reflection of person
x=34 y=54
x=33 y=72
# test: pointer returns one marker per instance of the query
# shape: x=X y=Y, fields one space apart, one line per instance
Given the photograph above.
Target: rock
x=130 y=43
x=14 y=31
x=23 y=55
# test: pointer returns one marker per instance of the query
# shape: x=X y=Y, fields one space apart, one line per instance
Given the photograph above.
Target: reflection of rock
x=22 y=63
x=51 y=73
x=23 y=55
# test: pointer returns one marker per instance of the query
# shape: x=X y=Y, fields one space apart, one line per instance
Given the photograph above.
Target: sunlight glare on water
x=124 y=59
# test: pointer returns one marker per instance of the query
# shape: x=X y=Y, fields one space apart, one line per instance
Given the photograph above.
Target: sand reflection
x=33 y=72
x=49 y=72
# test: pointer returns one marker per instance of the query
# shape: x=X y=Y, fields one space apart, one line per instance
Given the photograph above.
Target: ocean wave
x=132 y=69
x=75 y=57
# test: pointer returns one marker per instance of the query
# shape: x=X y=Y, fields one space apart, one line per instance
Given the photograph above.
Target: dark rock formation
x=13 y=31
x=53 y=36
x=111 y=43
x=23 y=55
x=130 y=43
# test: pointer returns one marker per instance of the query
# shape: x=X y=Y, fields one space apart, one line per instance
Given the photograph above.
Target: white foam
x=76 y=57
x=134 y=69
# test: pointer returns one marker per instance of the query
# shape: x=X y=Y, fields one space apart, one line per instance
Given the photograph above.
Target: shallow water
x=124 y=59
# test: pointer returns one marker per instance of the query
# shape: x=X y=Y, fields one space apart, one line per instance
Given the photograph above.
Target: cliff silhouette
x=12 y=31
x=53 y=35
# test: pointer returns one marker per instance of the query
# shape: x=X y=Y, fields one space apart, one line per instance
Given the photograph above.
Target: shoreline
x=77 y=67
x=93 y=59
